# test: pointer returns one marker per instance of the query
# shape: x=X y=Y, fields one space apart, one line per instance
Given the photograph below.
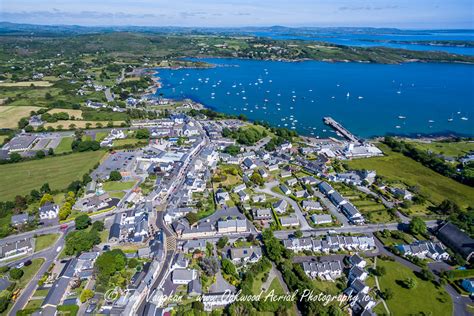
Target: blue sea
x=414 y=99
x=369 y=39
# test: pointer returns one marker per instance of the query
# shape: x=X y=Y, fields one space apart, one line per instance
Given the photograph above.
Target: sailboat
x=348 y=94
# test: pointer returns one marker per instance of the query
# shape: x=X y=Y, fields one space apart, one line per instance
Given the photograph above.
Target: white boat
x=402 y=117
x=464 y=118
x=360 y=98
x=348 y=94
x=398 y=126
x=431 y=121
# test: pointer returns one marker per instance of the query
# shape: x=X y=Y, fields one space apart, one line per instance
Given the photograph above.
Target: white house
x=49 y=211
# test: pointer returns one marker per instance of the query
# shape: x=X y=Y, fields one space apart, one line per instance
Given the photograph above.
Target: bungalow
x=302 y=194
x=285 y=174
x=240 y=187
x=285 y=189
x=327 y=270
x=263 y=173
x=321 y=219
x=291 y=182
x=309 y=180
x=262 y=214
x=49 y=211
x=259 y=198
x=243 y=196
x=402 y=193
x=19 y=219
x=309 y=205
x=280 y=206
x=245 y=254
x=183 y=276
x=273 y=167
x=288 y=221
x=249 y=164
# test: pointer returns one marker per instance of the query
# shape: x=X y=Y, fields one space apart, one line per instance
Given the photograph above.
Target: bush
x=16 y=273
x=115 y=176
x=82 y=221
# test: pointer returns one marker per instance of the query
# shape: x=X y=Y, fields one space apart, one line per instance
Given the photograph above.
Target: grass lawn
x=34 y=304
x=127 y=141
x=59 y=172
x=118 y=185
x=118 y=195
x=67 y=310
x=64 y=146
x=76 y=113
x=396 y=167
x=10 y=115
x=41 y=293
x=450 y=149
x=29 y=272
x=424 y=298
x=45 y=241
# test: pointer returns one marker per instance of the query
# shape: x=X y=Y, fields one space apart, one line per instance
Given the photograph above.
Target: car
x=20 y=265
x=63 y=226
x=91 y=308
x=28 y=262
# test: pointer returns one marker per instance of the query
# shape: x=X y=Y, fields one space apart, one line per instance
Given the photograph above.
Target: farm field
x=451 y=149
x=424 y=298
x=26 y=84
x=80 y=124
x=76 y=113
x=59 y=172
x=396 y=167
x=10 y=115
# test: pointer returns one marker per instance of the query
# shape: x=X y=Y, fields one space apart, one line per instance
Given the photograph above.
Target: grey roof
x=19 y=219
x=183 y=274
x=350 y=210
x=456 y=239
x=245 y=252
x=325 y=187
x=289 y=220
x=61 y=284
x=336 y=198
x=194 y=287
x=356 y=259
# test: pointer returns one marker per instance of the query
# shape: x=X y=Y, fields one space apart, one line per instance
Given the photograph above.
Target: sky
x=408 y=14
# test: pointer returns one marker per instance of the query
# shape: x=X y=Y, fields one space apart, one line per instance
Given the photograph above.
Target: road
x=268 y=190
x=108 y=95
x=50 y=255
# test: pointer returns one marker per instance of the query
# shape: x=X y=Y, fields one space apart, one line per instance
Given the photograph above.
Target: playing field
x=396 y=167
x=59 y=172
x=10 y=115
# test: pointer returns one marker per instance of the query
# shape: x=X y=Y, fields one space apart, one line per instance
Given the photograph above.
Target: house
x=356 y=287
x=240 y=187
x=309 y=180
x=327 y=270
x=425 y=249
x=402 y=193
x=19 y=219
x=195 y=244
x=273 y=167
x=285 y=174
x=352 y=213
x=357 y=261
x=331 y=243
x=457 y=240
x=194 y=288
x=325 y=188
x=222 y=196
x=298 y=244
x=288 y=221
x=181 y=262
x=236 y=225
x=285 y=189
x=243 y=196
x=259 y=198
x=336 y=199
x=468 y=285
x=301 y=194
x=49 y=211
x=249 y=164
x=183 y=276
x=280 y=206
x=321 y=219
x=357 y=273
x=263 y=173
x=245 y=254
x=262 y=214
x=291 y=182
x=16 y=248
x=309 y=205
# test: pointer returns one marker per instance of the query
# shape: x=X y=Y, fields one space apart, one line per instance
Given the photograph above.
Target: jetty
x=341 y=129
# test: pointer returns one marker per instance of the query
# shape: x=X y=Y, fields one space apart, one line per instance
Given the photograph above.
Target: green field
x=59 y=172
x=45 y=241
x=118 y=185
x=424 y=299
x=64 y=146
x=450 y=149
x=396 y=167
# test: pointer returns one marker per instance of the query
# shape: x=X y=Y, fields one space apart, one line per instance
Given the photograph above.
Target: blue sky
x=418 y=14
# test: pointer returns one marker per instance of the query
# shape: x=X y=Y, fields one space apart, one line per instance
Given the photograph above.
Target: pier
x=341 y=129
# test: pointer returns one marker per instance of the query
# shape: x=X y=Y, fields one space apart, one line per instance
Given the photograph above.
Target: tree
x=15 y=157
x=448 y=207
x=16 y=273
x=47 y=198
x=82 y=221
x=98 y=226
x=379 y=271
x=387 y=294
x=409 y=283
x=232 y=150
x=257 y=178
x=45 y=188
x=86 y=295
x=108 y=263
x=192 y=218
x=298 y=234
x=222 y=242
x=427 y=275
x=229 y=268
x=210 y=266
x=35 y=195
x=50 y=152
x=417 y=226
x=79 y=241
x=142 y=133
x=115 y=176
